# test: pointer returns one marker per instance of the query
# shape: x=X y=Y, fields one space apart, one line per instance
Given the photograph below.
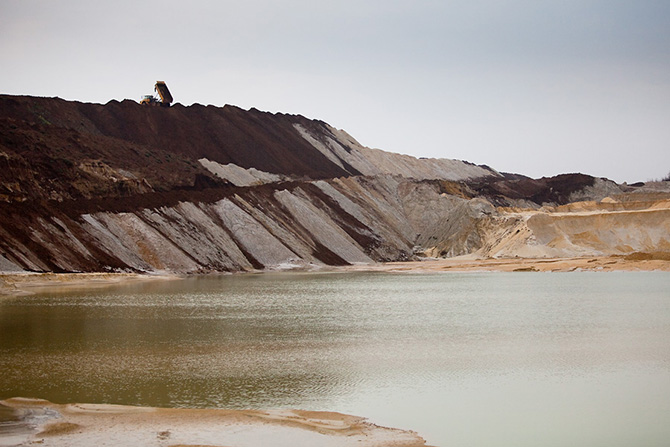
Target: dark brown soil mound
x=547 y=190
x=54 y=135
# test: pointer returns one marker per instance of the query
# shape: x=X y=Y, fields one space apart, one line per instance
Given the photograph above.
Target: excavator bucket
x=164 y=93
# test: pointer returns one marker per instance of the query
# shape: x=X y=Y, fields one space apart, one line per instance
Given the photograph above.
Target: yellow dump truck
x=165 y=96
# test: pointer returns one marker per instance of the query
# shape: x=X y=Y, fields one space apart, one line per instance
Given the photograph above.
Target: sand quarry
x=592 y=236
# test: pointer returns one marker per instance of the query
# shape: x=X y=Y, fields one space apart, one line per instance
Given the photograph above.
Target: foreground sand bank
x=84 y=425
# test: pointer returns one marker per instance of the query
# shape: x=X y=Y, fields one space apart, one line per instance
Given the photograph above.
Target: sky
x=532 y=87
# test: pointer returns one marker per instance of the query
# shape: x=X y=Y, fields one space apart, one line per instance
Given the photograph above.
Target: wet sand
x=19 y=284
x=83 y=425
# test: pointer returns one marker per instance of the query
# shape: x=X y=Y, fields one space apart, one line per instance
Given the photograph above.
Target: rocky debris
x=648 y=187
x=324 y=231
x=38 y=161
x=332 y=222
x=260 y=244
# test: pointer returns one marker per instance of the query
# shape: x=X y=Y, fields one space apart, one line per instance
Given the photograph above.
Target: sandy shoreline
x=636 y=262
x=83 y=425
x=17 y=284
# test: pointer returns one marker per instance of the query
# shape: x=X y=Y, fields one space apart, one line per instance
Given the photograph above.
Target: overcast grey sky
x=533 y=87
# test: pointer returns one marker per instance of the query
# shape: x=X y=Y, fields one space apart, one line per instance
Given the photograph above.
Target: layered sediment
x=126 y=188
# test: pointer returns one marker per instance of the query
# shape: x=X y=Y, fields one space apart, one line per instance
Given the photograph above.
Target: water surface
x=491 y=359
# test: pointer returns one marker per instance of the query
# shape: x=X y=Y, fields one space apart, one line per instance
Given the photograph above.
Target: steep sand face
x=604 y=233
x=609 y=227
x=84 y=425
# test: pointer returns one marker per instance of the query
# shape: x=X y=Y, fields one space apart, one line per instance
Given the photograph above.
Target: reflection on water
x=465 y=359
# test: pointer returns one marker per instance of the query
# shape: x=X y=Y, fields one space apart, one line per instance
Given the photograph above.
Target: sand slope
x=580 y=229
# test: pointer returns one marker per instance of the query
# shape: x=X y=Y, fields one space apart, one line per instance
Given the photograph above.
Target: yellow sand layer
x=633 y=262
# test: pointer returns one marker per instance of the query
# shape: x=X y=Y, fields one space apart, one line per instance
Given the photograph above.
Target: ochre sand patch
x=634 y=262
x=83 y=425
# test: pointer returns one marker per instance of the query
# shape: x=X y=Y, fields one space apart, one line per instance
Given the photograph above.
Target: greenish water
x=491 y=359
